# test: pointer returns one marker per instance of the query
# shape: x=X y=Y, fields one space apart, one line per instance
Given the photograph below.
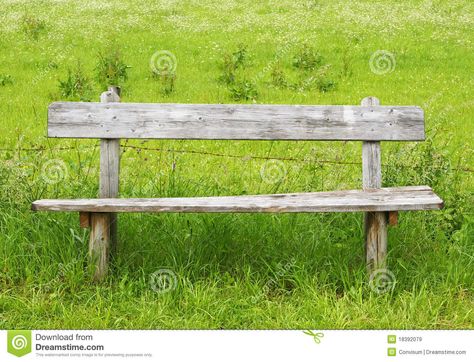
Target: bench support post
x=375 y=222
x=99 y=243
x=103 y=236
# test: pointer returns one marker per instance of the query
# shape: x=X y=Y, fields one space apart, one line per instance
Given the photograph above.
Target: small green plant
x=325 y=84
x=307 y=59
x=32 y=26
x=239 y=87
x=5 y=79
x=278 y=78
x=231 y=62
x=319 y=81
x=111 y=69
x=167 y=82
x=240 y=57
x=243 y=90
x=228 y=70
x=77 y=85
x=346 y=63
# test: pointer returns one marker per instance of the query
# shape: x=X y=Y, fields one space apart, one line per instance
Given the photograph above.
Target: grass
x=236 y=271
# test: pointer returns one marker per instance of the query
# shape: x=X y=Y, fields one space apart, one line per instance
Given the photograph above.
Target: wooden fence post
x=103 y=236
x=375 y=222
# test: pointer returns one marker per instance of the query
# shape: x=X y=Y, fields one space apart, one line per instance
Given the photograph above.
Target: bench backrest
x=239 y=122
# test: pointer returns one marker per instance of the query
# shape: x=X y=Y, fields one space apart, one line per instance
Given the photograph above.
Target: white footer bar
x=249 y=345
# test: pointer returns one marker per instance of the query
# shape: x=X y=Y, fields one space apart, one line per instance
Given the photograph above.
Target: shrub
x=167 y=82
x=231 y=62
x=307 y=59
x=111 y=69
x=319 y=80
x=325 y=84
x=278 y=78
x=240 y=57
x=76 y=85
x=243 y=90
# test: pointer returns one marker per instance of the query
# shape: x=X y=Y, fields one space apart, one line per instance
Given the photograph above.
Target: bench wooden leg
x=110 y=166
x=375 y=222
x=84 y=219
x=99 y=243
x=393 y=218
x=376 y=240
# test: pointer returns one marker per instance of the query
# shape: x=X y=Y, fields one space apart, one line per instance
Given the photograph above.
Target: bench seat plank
x=385 y=199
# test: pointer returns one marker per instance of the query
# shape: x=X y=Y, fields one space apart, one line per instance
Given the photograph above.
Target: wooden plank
x=386 y=199
x=225 y=121
x=99 y=244
x=375 y=223
x=84 y=220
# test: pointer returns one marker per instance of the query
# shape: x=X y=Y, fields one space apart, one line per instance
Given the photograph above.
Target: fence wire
x=214 y=154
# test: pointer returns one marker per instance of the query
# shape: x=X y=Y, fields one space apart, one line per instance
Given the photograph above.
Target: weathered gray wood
x=386 y=199
x=110 y=165
x=109 y=168
x=108 y=187
x=253 y=122
x=376 y=240
x=99 y=244
x=371 y=165
x=376 y=233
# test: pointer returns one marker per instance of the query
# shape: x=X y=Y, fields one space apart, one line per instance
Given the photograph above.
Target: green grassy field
x=303 y=271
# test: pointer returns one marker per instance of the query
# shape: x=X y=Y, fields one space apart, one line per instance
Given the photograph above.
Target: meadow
x=237 y=271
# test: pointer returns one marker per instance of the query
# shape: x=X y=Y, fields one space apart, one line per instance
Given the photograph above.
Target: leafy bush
x=167 y=82
x=77 y=85
x=238 y=86
x=325 y=85
x=309 y=73
x=231 y=62
x=307 y=59
x=243 y=90
x=111 y=69
x=240 y=57
x=318 y=80
x=278 y=78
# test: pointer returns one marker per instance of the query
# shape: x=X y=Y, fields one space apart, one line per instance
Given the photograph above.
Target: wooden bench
x=370 y=123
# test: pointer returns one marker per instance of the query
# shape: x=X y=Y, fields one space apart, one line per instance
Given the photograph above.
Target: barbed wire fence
x=214 y=154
